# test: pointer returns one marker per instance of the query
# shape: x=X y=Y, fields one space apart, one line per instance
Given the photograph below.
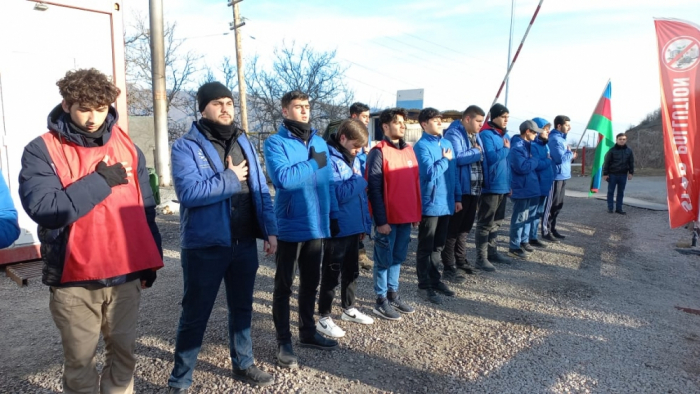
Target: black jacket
x=54 y=208
x=619 y=160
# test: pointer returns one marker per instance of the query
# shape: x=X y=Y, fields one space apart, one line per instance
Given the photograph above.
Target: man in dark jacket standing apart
x=297 y=163
x=618 y=168
x=225 y=205
x=99 y=240
x=492 y=203
x=562 y=156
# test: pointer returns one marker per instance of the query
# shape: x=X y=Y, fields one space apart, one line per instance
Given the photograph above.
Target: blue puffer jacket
x=362 y=158
x=545 y=174
x=464 y=155
x=496 y=170
x=9 y=227
x=437 y=176
x=302 y=191
x=523 y=165
x=350 y=192
x=561 y=157
x=204 y=188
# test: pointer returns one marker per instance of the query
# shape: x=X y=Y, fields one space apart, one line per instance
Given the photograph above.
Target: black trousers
x=432 y=234
x=306 y=256
x=461 y=224
x=341 y=258
x=555 y=202
x=490 y=215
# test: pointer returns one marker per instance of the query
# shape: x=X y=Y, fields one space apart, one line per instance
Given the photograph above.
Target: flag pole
x=510 y=67
x=592 y=114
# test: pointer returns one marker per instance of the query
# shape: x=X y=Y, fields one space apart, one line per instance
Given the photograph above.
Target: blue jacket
x=302 y=191
x=350 y=192
x=561 y=157
x=362 y=158
x=523 y=165
x=9 y=227
x=545 y=174
x=496 y=170
x=464 y=155
x=204 y=188
x=437 y=176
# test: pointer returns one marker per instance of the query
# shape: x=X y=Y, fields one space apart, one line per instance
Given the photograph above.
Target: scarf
x=299 y=129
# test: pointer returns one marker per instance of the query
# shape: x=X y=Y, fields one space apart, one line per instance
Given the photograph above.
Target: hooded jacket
x=54 y=208
x=496 y=169
x=437 y=176
x=561 y=156
x=204 y=188
x=302 y=190
x=523 y=165
x=464 y=156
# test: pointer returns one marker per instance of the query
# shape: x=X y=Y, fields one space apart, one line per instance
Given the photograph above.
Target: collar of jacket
x=432 y=138
x=57 y=122
x=402 y=143
x=284 y=132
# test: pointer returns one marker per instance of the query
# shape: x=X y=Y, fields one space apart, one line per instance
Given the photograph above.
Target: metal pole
x=510 y=45
x=239 y=64
x=160 y=98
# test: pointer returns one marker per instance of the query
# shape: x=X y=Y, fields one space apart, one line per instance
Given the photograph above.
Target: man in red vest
x=394 y=198
x=99 y=240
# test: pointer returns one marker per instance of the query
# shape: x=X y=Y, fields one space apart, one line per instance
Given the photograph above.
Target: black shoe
x=319 y=342
x=430 y=295
x=526 y=247
x=443 y=289
x=610 y=211
x=550 y=238
x=176 y=390
x=466 y=267
x=498 y=258
x=452 y=275
x=286 y=357
x=556 y=234
x=621 y=212
x=517 y=253
x=253 y=376
x=536 y=243
x=485 y=265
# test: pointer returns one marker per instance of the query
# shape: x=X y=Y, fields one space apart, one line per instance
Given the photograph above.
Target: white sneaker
x=356 y=316
x=326 y=327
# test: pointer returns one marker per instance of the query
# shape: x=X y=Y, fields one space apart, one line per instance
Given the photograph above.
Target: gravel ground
x=593 y=314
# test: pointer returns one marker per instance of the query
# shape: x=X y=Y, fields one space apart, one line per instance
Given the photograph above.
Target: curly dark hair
x=87 y=87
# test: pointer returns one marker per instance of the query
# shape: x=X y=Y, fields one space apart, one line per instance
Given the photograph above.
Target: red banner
x=679 y=55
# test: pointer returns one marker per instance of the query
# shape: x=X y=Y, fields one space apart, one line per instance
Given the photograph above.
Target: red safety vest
x=112 y=239
x=401 y=184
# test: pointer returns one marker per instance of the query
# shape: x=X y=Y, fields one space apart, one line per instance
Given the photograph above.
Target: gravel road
x=593 y=314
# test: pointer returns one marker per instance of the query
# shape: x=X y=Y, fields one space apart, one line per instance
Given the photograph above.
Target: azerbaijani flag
x=601 y=121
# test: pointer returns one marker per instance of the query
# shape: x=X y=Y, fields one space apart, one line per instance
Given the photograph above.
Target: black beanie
x=498 y=110
x=211 y=91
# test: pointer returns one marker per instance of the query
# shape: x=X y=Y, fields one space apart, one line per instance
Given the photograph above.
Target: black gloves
x=335 y=228
x=149 y=276
x=114 y=175
x=319 y=157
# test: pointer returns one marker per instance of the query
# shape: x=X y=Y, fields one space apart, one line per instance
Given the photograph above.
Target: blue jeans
x=538 y=216
x=524 y=212
x=619 y=180
x=389 y=252
x=202 y=273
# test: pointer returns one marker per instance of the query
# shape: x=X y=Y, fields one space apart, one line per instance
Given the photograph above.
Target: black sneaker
x=556 y=234
x=454 y=276
x=526 y=247
x=536 y=243
x=496 y=257
x=443 y=289
x=610 y=211
x=319 y=342
x=550 y=238
x=430 y=295
x=621 y=212
x=286 y=357
x=466 y=267
x=385 y=310
x=485 y=265
x=253 y=376
x=517 y=253
x=398 y=304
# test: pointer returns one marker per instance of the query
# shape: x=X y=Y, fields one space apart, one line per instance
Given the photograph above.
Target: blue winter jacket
x=545 y=174
x=437 y=176
x=496 y=170
x=350 y=192
x=302 y=191
x=464 y=156
x=9 y=227
x=523 y=165
x=362 y=158
x=561 y=157
x=204 y=188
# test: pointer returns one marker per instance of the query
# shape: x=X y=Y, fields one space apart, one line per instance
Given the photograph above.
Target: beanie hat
x=498 y=110
x=541 y=122
x=211 y=91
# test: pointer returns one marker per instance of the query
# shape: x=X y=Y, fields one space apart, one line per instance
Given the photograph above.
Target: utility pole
x=510 y=44
x=235 y=25
x=160 y=98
